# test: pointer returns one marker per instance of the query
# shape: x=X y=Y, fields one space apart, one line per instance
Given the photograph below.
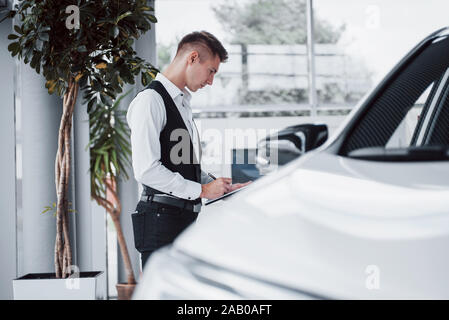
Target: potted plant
x=84 y=47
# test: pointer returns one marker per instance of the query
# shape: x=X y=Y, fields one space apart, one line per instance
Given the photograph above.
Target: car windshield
x=411 y=111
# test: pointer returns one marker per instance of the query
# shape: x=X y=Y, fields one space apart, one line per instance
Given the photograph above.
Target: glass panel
x=372 y=41
x=356 y=43
x=403 y=135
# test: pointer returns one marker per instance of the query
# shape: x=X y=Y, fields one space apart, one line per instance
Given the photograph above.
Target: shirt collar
x=171 y=88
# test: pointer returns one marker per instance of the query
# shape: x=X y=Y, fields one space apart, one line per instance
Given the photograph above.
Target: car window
x=402 y=136
x=395 y=117
x=437 y=130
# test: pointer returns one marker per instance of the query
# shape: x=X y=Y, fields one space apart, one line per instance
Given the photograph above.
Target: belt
x=171 y=201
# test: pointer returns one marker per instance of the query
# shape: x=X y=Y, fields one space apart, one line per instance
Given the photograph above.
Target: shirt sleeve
x=205 y=178
x=146 y=118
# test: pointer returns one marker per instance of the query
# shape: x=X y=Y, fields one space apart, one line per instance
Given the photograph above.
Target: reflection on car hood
x=322 y=231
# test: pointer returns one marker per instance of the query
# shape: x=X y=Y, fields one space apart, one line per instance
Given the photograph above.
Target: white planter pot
x=44 y=286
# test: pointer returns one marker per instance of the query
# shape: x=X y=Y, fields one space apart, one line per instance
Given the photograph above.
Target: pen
x=212 y=176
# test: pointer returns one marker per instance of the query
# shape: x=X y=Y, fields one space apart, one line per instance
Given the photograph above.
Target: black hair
x=206 y=39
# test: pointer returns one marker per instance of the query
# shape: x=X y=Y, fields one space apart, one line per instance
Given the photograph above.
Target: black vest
x=189 y=169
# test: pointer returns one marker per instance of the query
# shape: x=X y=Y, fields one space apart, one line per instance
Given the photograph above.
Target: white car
x=364 y=216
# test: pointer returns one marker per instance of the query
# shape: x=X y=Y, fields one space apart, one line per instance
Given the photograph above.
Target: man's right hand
x=216 y=188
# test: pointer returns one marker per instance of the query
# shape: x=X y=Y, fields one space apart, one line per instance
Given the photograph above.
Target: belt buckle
x=197 y=207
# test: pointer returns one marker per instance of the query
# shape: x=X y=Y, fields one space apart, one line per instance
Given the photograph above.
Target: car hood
x=332 y=231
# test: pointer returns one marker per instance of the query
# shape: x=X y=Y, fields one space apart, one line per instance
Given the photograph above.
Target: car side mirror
x=289 y=144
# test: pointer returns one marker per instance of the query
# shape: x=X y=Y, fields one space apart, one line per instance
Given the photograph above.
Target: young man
x=166 y=148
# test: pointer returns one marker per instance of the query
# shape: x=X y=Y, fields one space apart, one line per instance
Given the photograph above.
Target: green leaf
x=96 y=85
x=124 y=147
x=114 y=158
x=39 y=44
x=97 y=163
x=146 y=9
x=122 y=16
x=114 y=32
x=44 y=36
x=13 y=36
x=17 y=29
x=35 y=60
x=152 y=18
x=13 y=46
x=28 y=52
x=51 y=86
x=47 y=208
x=90 y=105
x=147 y=77
x=82 y=48
x=106 y=160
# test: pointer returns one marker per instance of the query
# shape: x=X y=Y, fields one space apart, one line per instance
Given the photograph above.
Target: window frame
x=422 y=131
x=338 y=145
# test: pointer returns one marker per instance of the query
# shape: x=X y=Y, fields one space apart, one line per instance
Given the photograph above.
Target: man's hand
x=216 y=188
x=236 y=186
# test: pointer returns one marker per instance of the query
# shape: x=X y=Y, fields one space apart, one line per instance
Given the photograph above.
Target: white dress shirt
x=146 y=118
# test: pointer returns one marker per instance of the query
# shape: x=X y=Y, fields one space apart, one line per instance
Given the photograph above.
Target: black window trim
x=337 y=146
x=436 y=115
x=428 y=115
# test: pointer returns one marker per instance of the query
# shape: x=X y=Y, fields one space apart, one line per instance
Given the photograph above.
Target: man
x=166 y=148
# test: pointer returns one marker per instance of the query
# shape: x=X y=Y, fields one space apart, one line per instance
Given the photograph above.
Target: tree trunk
x=123 y=249
x=63 y=251
x=114 y=208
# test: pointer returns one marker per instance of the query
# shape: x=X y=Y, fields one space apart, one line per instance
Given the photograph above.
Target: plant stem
x=63 y=252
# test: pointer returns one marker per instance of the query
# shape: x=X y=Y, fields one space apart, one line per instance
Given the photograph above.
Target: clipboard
x=208 y=202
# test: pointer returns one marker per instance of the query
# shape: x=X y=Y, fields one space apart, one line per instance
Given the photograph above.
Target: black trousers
x=156 y=225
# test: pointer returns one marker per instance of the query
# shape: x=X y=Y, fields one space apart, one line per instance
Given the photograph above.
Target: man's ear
x=193 y=56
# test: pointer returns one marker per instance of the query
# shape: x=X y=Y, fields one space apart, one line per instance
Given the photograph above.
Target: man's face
x=201 y=72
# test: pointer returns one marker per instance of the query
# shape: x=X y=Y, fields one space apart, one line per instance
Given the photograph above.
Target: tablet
x=224 y=196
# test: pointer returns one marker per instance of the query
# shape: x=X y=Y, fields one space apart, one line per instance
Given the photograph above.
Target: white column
x=39 y=114
x=128 y=193
x=8 y=248
x=311 y=59
x=82 y=205
x=129 y=190
x=90 y=217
